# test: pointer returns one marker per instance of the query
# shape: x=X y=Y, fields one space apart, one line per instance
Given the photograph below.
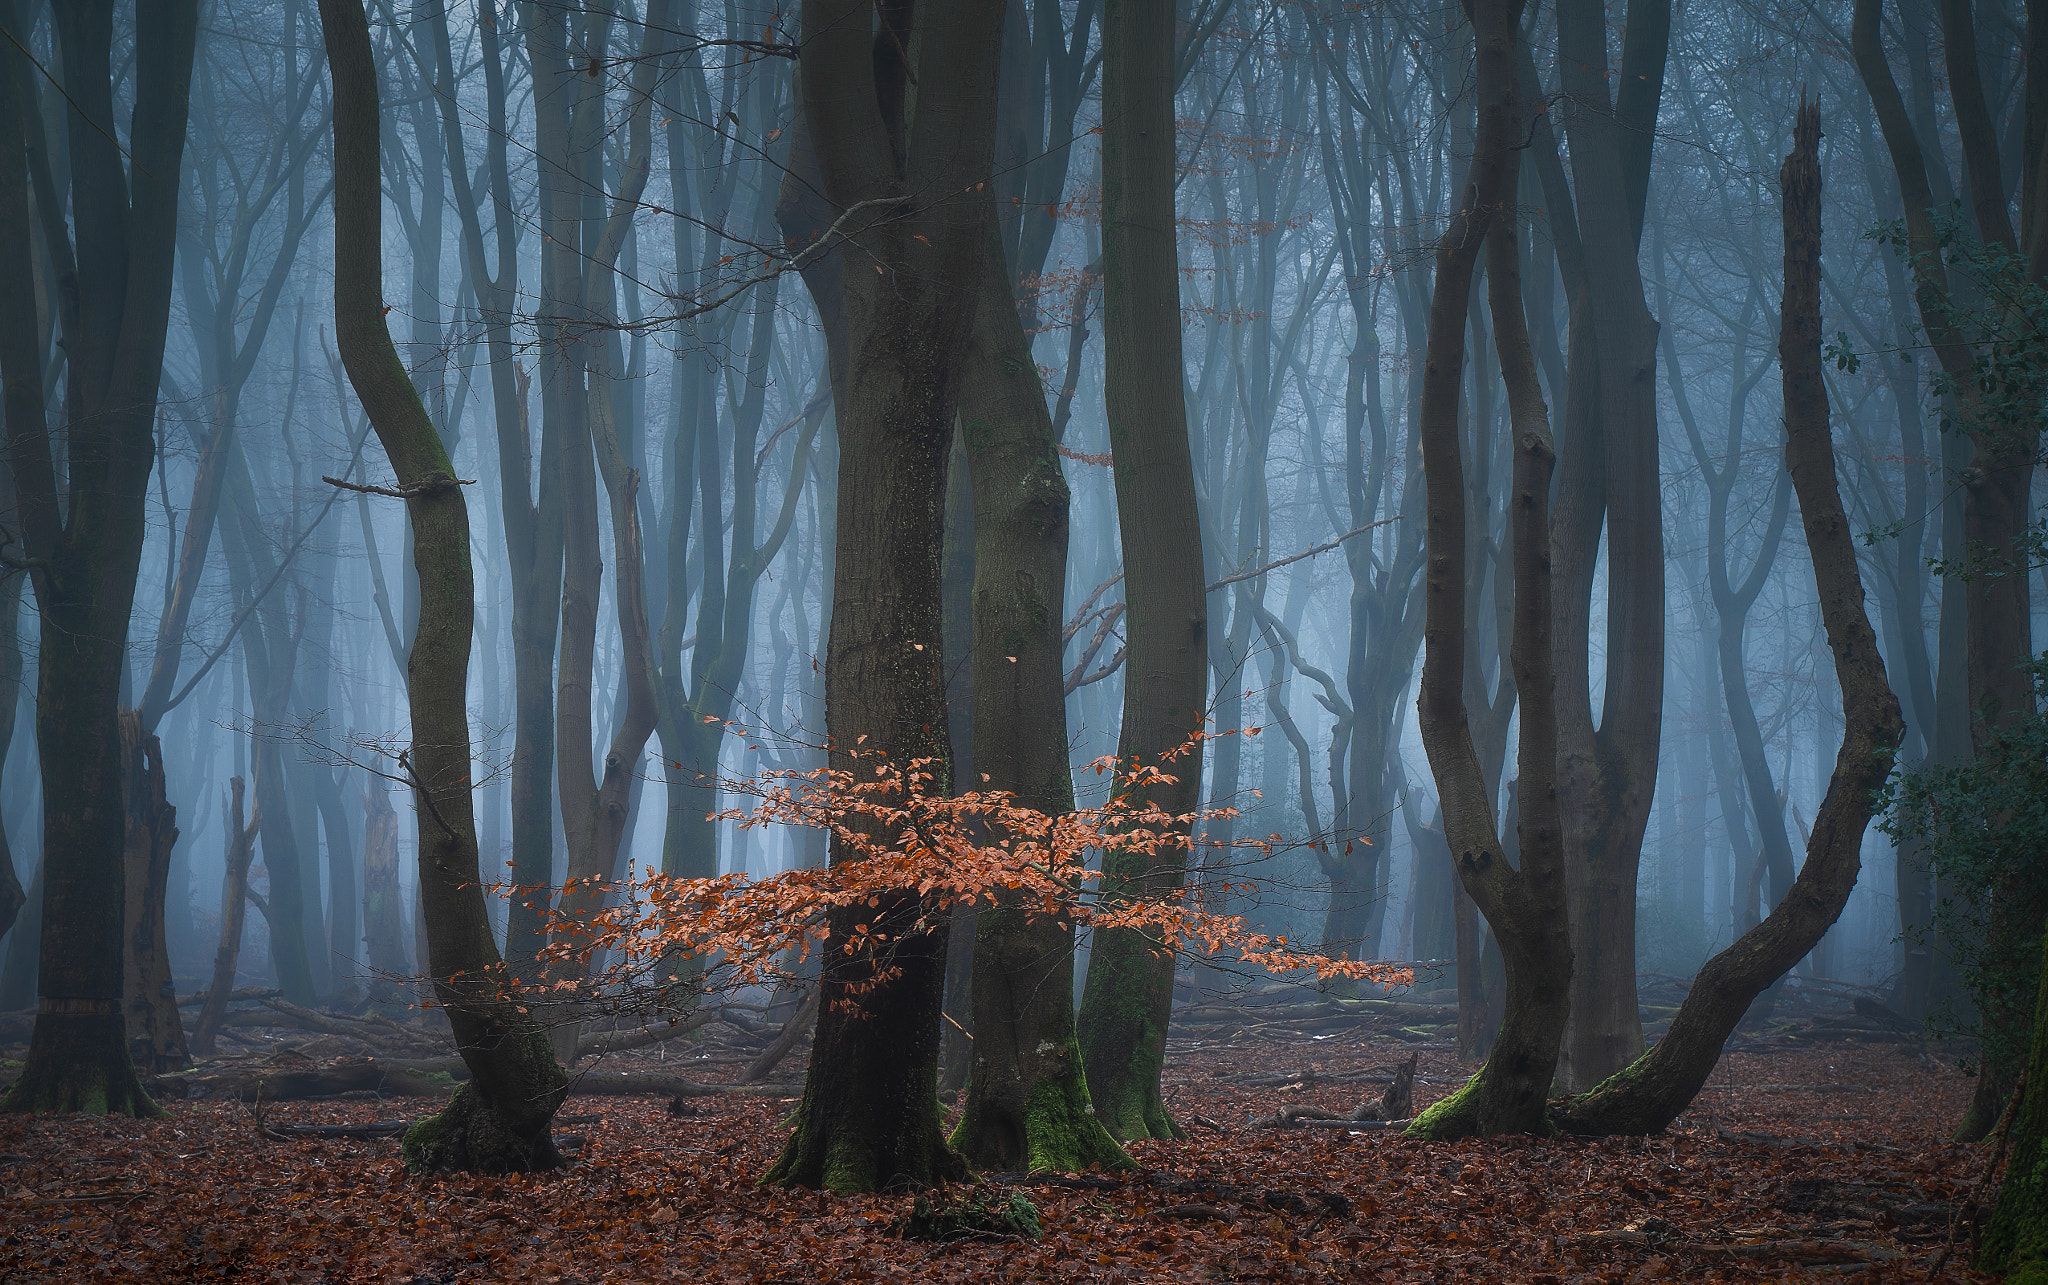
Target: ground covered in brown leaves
x=1797 y=1163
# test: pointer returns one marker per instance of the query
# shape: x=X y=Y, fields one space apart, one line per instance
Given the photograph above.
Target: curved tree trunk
x=1128 y=999
x=498 y=1121
x=1649 y=1094
x=1524 y=903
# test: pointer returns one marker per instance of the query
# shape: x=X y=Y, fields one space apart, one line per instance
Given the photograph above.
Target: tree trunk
x=156 y=1036
x=1027 y=1106
x=1524 y=903
x=2014 y=1243
x=499 y=1121
x=87 y=553
x=869 y=1118
x=1128 y=998
x=383 y=900
x=234 y=904
x=1651 y=1093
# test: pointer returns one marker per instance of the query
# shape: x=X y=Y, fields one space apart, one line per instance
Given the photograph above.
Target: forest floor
x=1798 y=1162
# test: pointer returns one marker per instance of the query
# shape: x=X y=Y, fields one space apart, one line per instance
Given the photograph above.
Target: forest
x=1264 y=640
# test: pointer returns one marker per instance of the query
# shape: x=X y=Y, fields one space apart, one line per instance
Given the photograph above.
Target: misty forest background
x=1256 y=321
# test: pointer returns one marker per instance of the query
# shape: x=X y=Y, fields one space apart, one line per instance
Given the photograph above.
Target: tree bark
x=499 y=1121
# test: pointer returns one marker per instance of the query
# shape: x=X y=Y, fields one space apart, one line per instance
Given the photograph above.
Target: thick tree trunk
x=1651 y=1093
x=2014 y=1243
x=869 y=1118
x=1128 y=999
x=499 y=1121
x=1027 y=1096
x=87 y=553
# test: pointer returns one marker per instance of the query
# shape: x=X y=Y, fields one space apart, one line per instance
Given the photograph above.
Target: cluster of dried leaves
x=1795 y=1163
x=912 y=835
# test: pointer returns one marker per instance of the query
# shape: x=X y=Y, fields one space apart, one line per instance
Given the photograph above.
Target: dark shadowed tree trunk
x=1650 y=1094
x=499 y=1120
x=83 y=535
x=1608 y=482
x=2002 y=430
x=869 y=1118
x=1524 y=903
x=1128 y=999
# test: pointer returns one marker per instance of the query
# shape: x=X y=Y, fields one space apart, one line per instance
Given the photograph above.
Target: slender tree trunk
x=156 y=1035
x=234 y=905
x=383 y=908
x=1128 y=998
x=499 y=1120
x=1523 y=903
x=1028 y=1106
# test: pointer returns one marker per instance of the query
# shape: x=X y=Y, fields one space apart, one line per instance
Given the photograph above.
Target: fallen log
x=431 y=1077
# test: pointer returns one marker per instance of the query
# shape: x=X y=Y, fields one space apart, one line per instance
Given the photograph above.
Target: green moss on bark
x=467 y=1136
x=78 y=1063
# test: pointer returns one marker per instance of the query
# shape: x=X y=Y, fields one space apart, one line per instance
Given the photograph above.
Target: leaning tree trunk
x=869 y=1118
x=499 y=1121
x=1027 y=1096
x=1128 y=999
x=1525 y=904
x=1650 y=1093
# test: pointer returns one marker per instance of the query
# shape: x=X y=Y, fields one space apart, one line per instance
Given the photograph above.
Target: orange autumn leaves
x=908 y=854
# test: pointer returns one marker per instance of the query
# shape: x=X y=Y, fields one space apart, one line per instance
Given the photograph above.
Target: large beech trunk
x=1524 y=903
x=1128 y=999
x=499 y=1121
x=1649 y=1094
x=1609 y=480
x=869 y=1118
x=85 y=545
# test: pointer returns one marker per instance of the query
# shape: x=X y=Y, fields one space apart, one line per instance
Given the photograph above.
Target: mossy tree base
x=1125 y=1009
x=1476 y=1111
x=868 y=1156
x=1054 y=1130
x=467 y=1136
x=78 y=1063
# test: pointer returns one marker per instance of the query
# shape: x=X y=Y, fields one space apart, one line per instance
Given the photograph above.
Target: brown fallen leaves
x=1797 y=1164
